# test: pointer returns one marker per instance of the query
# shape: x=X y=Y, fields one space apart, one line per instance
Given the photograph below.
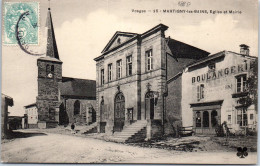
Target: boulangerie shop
x=210 y=93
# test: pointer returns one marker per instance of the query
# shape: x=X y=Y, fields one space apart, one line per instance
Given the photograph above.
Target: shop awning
x=206 y=105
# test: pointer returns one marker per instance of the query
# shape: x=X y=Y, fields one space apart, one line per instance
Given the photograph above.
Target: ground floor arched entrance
x=119 y=114
x=149 y=105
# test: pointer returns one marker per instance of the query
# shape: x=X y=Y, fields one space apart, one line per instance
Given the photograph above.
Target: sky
x=84 y=27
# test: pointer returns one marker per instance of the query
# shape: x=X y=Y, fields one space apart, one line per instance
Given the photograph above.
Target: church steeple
x=52 y=50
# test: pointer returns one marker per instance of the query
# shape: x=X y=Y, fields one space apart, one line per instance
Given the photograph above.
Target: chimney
x=244 y=49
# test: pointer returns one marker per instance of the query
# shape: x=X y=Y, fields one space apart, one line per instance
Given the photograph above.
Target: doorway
x=149 y=105
x=119 y=119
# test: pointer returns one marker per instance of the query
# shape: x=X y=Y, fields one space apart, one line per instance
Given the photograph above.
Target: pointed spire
x=52 y=50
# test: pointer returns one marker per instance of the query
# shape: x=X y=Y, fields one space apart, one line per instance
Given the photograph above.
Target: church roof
x=52 y=50
x=47 y=58
x=78 y=88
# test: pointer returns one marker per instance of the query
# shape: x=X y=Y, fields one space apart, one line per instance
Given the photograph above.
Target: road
x=57 y=148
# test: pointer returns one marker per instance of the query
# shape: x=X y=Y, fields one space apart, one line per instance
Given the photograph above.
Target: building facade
x=132 y=77
x=211 y=91
x=5 y=102
x=31 y=112
x=62 y=100
x=77 y=101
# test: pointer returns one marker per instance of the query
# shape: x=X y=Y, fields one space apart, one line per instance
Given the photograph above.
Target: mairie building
x=211 y=91
x=138 y=91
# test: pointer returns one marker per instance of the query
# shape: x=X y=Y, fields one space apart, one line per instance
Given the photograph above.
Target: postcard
x=137 y=82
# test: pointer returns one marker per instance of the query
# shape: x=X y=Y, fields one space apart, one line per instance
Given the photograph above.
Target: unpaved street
x=56 y=148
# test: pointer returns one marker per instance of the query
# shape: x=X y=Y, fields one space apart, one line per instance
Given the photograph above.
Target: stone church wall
x=85 y=113
x=48 y=94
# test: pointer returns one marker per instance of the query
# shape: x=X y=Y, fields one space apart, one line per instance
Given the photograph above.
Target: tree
x=251 y=86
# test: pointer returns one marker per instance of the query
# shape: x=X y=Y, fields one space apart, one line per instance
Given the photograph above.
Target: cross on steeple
x=49 y=4
x=52 y=50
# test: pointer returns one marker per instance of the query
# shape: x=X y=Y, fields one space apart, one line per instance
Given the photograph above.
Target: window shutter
x=201 y=91
x=151 y=62
x=198 y=92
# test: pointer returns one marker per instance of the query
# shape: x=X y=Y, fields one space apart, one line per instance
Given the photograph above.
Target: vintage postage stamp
x=28 y=27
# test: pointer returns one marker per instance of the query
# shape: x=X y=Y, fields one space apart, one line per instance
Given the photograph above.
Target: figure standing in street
x=72 y=128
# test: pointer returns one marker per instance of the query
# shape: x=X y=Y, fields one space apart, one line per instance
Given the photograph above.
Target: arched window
x=52 y=68
x=102 y=116
x=205 y=119
x=149 y=105
x=214 y=120
x=76 y=107
x=94 y=115
x=47 y=68
x=119 y=113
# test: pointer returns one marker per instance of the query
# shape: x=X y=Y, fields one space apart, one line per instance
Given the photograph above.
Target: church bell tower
x=49 y=76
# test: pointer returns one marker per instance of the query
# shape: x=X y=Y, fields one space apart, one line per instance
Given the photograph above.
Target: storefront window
x=205 y=119
x=229 y=118
x=242 y=117
x=214 y=120
x=198 y=119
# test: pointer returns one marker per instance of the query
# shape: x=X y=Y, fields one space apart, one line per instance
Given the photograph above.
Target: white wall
x=220 y=88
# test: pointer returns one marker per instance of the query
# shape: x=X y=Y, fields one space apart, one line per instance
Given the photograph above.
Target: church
x=62 y=100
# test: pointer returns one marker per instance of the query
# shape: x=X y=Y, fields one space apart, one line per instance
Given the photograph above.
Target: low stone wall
x=32 y=126
x=102 y=127
x=154 y=129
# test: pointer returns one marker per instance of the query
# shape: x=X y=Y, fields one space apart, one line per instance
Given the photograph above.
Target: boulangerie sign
x=220 y=73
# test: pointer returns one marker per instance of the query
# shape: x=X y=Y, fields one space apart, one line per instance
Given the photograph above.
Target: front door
x=149 y=105
x=119 y=112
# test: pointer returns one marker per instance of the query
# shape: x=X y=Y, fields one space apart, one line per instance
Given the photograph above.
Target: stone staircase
x=132 y=133
x=92 y=128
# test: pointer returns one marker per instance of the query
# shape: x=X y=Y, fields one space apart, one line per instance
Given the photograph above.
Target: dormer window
x=212 y=66
x=118 y=41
